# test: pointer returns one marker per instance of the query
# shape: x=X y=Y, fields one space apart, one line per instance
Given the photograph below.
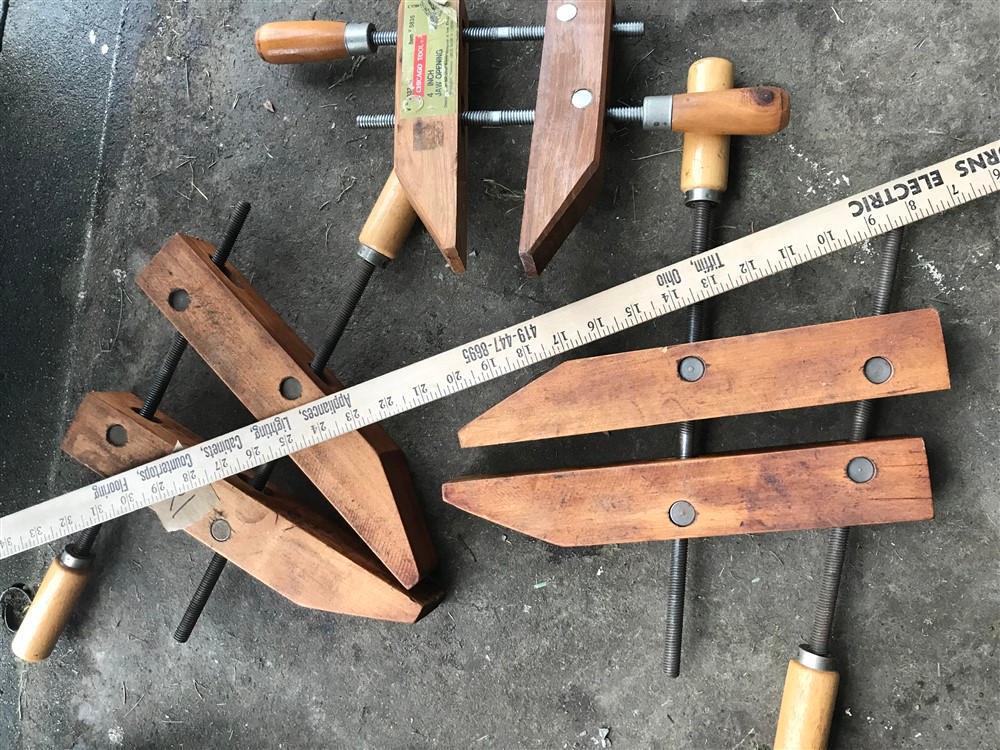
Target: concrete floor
x=114 y=112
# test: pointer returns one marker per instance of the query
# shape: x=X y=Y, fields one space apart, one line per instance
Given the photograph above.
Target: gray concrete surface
x=122 y=123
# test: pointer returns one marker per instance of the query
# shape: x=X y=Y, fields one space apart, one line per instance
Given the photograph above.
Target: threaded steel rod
x=356 y=286
x=836 y=542
x=201 y=594
x=511 y=33
x=496 y=117
x=701 y=231
x=215 y=567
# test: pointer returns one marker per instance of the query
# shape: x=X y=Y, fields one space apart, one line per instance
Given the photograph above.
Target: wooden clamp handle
x=390 y=220
x=705 y=156
x=49 y=611
x=807 y=705
x=763 y=110
x=283 y=42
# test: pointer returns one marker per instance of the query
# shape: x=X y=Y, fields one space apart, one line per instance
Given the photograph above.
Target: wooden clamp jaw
x=567 y=142
x=363 y=474
x=788 y=369
x=742 y=493
x=286 y=546
x=429 y=145
x=564 y=169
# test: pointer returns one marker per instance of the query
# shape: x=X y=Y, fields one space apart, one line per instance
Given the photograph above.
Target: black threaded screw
x=836 y=542
x=215 y=567
x=701 y=231
x=363 y=271
x=200 y=598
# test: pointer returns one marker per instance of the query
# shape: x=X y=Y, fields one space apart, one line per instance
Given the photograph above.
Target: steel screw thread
x=84 y=543
x=383 y=38
x=495 y=117
x=625 y=114
x=363 y=271
x=836 y=541
x=200 y=598
x=499 y=117
x=701 y=231
x=511 y=33
x=215 y=567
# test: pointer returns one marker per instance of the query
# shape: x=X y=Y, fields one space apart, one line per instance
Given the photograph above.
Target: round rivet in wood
x=566 y=12
x=582 y=98
x=878 y=370
x=682 y=513
x=220 y=530
x=861 y=469
x=179 y=300
x=291 y=388
x=117 y=435
x=691 y=369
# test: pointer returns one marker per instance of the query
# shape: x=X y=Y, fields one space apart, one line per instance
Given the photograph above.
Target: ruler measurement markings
x=567 y=328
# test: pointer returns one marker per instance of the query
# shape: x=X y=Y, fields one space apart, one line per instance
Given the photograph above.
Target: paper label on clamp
x=430 y=48
x=185 y=509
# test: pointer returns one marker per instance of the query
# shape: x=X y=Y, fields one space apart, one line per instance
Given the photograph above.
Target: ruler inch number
x=963 y=178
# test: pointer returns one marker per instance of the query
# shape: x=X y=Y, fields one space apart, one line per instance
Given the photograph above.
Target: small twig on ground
x=658 y=153
x=354 y=181
x=637 y=64
x=134 y=705
x=349 y=74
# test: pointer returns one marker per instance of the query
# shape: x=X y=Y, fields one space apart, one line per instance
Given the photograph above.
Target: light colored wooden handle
x=705 y=157
x=756 y=111
x=390 y=220
x=49 y=612
x=283 y=42
x=807 y=705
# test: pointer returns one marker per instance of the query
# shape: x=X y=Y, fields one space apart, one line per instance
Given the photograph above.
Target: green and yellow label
x=430 y=45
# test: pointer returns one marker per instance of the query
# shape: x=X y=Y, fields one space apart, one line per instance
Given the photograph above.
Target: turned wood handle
x=754 y=111
x=49 y=612
x=807 y=705
x=282 y=42
x=705 y=157
x=390 y=220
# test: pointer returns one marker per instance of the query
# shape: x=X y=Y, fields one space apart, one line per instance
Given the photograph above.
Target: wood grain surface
x=429 y=160
x=763 y=110
x=362 y=474
x=291 y=549
x=390 y=220
x=567 y=143
x=788 y=369
x=283 y=42
x=705 y=156
x=742 y=493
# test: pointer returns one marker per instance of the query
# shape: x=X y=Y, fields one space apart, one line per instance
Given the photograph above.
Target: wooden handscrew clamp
x=713 y=495
x=567 y=142
x=67 y=576
x=308 y=560
x=810 y=692
x=727 y=494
